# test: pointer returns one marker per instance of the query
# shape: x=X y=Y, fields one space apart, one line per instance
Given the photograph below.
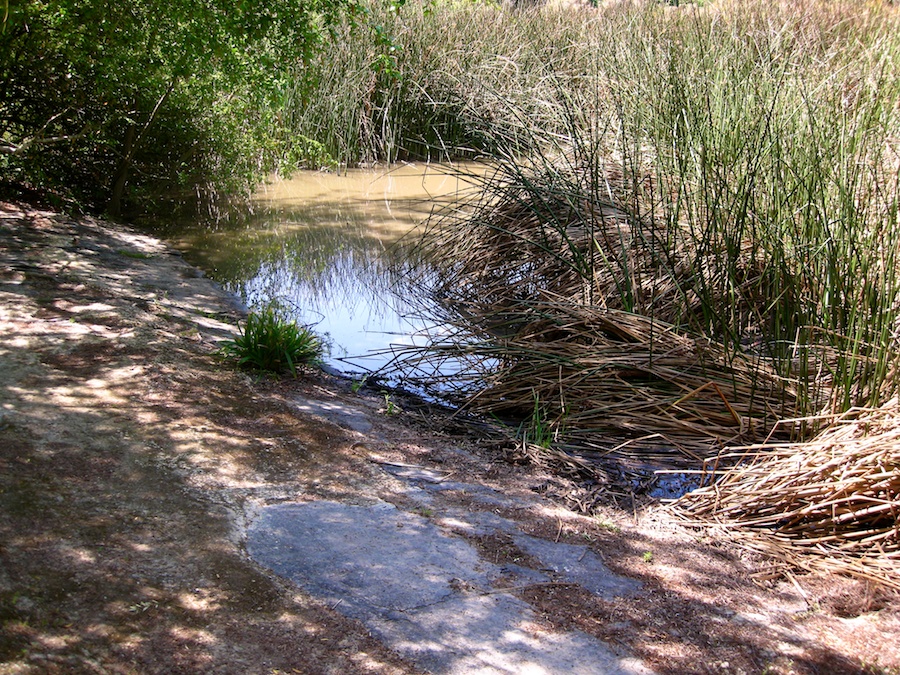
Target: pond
x=331 y=248
x=334 y=249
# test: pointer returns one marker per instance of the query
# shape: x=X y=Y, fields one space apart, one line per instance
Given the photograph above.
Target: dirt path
x=132 y=463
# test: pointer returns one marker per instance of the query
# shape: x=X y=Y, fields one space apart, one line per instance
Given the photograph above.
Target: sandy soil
x=131 y=458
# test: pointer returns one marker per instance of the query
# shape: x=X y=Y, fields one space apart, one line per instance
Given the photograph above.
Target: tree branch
x=38 y=139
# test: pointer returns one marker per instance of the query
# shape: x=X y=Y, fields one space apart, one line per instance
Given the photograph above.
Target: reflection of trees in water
x=310 y=265
x=350 y=278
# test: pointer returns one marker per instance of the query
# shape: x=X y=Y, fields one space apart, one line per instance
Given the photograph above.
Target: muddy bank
x=125 y=448
x=132 y=461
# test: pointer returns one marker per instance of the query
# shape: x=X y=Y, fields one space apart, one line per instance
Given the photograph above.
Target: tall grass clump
x=430 y=81
x=701 y=237
x=774 y=143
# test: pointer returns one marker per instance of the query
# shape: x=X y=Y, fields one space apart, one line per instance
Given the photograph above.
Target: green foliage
x=111 y=100
x=136 y=255
x=608 y=525
x=537 y=429
x=300 y=152
x=390 y=408
x=271 y=343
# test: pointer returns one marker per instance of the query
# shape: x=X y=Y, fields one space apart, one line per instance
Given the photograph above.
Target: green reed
x=772 y=134
x=752 y=149
x=427 y=81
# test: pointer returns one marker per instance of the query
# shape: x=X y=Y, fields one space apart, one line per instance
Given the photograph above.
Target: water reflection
x=334 y=249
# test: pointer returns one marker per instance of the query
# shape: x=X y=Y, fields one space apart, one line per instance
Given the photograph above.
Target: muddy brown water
x=330 y=247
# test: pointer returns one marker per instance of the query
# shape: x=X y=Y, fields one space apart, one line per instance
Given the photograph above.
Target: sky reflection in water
x=332 y=248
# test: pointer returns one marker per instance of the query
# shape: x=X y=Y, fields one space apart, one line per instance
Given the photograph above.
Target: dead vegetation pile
x=586 y=327
x=831 y=503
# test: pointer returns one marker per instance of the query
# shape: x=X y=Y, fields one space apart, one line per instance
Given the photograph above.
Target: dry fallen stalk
x=829 y=504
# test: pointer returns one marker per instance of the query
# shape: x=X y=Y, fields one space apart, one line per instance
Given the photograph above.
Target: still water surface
x=331 y=248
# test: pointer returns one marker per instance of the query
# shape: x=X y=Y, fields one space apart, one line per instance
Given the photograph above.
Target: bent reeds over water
x=730 y=172
x=562 y=240
x=692 y=224
x=578 y=304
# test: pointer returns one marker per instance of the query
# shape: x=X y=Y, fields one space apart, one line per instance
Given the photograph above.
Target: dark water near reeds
x=332 y=249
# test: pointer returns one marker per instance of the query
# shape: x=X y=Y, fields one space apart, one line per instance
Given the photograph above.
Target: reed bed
x=689 y=233
x=435 y=81
x=570 y=312
x=827 y=504
x=730 y=173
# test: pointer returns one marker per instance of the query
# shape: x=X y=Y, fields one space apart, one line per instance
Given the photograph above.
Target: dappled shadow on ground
x=698 y=610
x=128 y=454
x=677 y=626
x=116 y=553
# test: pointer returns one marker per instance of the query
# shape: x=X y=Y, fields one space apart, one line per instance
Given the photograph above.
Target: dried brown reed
x=628 y=380
x=583 y=311
x=554 y=232
x=831 y=504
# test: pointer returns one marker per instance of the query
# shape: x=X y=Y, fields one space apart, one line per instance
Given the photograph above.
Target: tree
x=98 y=95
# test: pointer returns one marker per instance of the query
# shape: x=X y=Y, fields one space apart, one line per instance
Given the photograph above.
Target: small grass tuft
x=390 y=408
x=272 y=343
x=608 y=525
x=359 y=384
x=537 y=429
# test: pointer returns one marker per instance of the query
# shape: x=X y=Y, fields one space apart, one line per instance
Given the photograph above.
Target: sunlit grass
x=271 y=343
x=431 y=81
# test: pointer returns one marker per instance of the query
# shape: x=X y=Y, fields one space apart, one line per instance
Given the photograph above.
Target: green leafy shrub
x=128 y=106
x=270 y=342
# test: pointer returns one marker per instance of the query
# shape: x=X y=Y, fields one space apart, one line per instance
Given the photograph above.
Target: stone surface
x=426 y=592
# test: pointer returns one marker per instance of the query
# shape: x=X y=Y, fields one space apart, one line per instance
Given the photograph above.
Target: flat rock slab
x=577 y=564
x=336 y=412
x=424 y=592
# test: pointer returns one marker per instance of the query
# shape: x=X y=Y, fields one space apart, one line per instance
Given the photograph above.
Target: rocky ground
x=138 y=475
